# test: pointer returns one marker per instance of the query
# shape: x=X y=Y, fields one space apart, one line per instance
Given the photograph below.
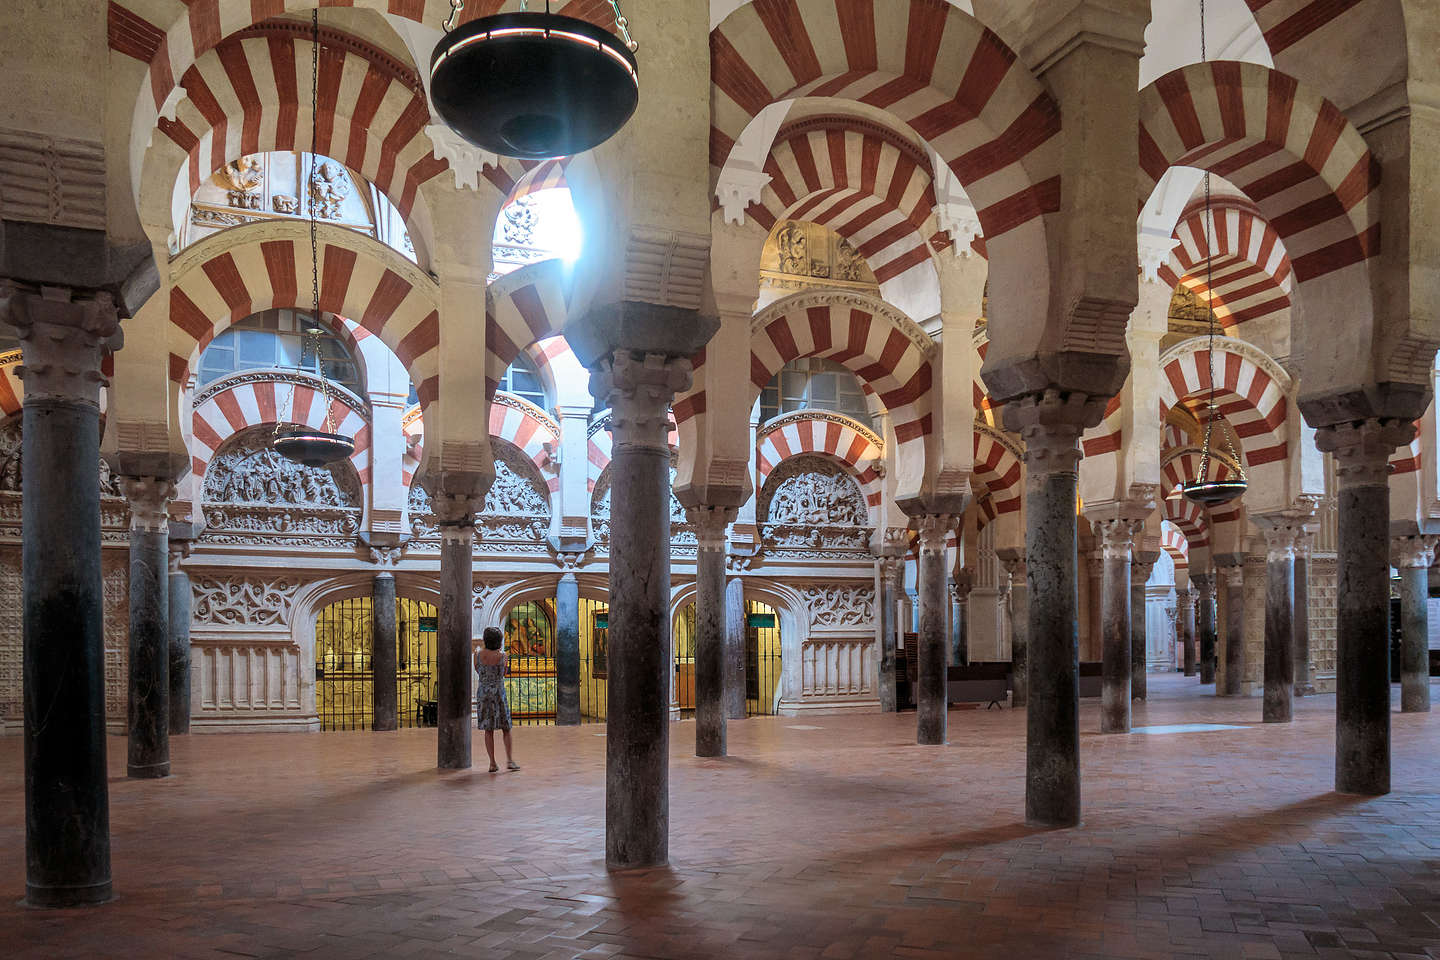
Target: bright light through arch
x=538 y=226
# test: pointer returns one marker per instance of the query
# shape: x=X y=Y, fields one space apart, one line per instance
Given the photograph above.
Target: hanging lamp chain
x=455 y=7
x=622 y=23
x=314 y=332
x=623 y=26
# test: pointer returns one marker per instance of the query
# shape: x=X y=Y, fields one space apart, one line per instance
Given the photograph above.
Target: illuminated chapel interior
x=869 y=382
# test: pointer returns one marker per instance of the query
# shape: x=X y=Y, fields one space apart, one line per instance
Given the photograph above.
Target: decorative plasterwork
x=839 y=606
x=737 y=189
x=236 y=601
x=467 y=161
x=872 y=305
x=811 y=503
x=251 y=493
x=666 y=267
x=516 y=510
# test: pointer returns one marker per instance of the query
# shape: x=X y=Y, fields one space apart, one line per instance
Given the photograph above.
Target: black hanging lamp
x=306 y=445
x=534 y=85
x=1202 y=489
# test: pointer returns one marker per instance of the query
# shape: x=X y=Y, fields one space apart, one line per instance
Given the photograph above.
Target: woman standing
x=494 y=712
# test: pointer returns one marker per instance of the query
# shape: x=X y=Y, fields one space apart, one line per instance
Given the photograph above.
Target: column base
x=149 y=771
x=86 y=895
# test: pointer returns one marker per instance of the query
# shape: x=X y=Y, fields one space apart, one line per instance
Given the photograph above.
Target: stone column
x=734 y=646
x=1051 y=423
x=1141 y=563
x=148 y=716
x=637 y=772
x=1019 y=607
x=1280 y=534
x=67 y=814
x=1205 y=586
x=1232 y=572
x=960 y=592
x=567 y=650
x=454 y=644
x=1362 y=658
x=384 y=653
x=179 y=638
x=1115 y=536
x=892 y=569
x=1304 y=543
x=1185 y=614
x=710 y=525
x=930 y=700
x=1413 y=556
x=1094 y=565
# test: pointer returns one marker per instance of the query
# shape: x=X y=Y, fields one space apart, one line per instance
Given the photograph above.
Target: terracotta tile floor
x=843 y=841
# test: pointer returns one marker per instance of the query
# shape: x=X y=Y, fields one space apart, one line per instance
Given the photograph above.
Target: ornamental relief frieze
x=238 y=601
x=517 y=505
x=252 y=493
x=682 y=532
x=839 y=606
x=810 y=503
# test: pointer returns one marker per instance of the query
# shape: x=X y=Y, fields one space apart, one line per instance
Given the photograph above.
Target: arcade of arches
x=858 y=375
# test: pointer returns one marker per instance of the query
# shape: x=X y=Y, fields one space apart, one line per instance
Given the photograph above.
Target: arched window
x=522 y=379
x=538 y=226
x=287 y=186
x=273 y=340
x=813 y=383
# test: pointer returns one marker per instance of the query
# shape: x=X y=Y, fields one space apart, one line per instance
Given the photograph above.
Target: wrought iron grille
x=415 y=662
x=762 y=659
x=682 y=642
x=345 y=671
x=531 y=686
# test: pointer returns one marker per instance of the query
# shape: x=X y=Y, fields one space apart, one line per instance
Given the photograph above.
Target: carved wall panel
x=682 y=533
x=12 y=710
x=837 y=668
x=115 y=565
x=252 y=493
x=245 y=678
x=12 y=463
x=517 y=505
x=811 y=505
x=838 y=606
x=234 y=601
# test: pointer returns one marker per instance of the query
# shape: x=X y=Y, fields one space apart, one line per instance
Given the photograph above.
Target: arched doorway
x=762 y=659
x=345 y=670
x=531 y=679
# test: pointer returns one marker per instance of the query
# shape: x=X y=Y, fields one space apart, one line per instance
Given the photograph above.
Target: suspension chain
x=455 y=7
x=314 y=237
x=623 y=26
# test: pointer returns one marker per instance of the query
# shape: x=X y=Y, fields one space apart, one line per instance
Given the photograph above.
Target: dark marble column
x=1093 y=564
x=637 y=771
x=710 y=526
x=930 y=701
x=1205 y=586
x=1362 y=660
x=1280 y=532
x=1116 y=536
x=454 y=644
x=1185 y=614
x=1232 y=574
x=891 y=568
x=1051 y=423
x=960 y=629
x=67 y=816
x=179 y=638
x=384 y=654
x=1303 y=545
x=567 y=650
x=1413 y=556
x=1141 y=563
x=1013 y=560
x=734 y=646
x=148 y=714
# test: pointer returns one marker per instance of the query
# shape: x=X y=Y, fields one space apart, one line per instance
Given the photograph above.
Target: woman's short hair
x=492 y=637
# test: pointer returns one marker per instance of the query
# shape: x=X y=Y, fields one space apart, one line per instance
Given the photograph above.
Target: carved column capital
x=638 y=392
x=1050 y=422
x=149 y=499
x=1013 y=560
x=933 y=529
x=891 y=568
x=1413 y=552
x=63 y=337
x=710 y=525
x=179 y=550
x=1205 y=584
x=1141 y=563
x=960 y=585
x=1231 y=569
x=1117 y=536
x=1362 y=448
x=1280 y=532
x=455 y=515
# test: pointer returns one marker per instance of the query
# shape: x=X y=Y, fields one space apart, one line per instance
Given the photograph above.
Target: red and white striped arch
x=516 y=178
x=1190 y=519
x=886 y=350
x=168 y=36
x=1253 y=399
x=986 y=409
x=512 y=419
x=251 y=94
x=1246 y=276
x=867 y=185
x=598 y=449
x=932 y=66
x=1173 y=437
x=1174 y=542
x=1000 y=470
x=522 y=307
x=1285 y=23
x=1406 y=459
x=829 y=435
x=1106 y=437
x=1290 y=151
x=231 y=275
x=267 y=402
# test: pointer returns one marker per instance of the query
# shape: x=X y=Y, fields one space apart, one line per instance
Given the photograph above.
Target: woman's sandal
x=511 y=765
x=494 y=768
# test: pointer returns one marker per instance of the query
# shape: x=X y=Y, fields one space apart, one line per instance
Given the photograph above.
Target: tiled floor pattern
x=824 y=837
